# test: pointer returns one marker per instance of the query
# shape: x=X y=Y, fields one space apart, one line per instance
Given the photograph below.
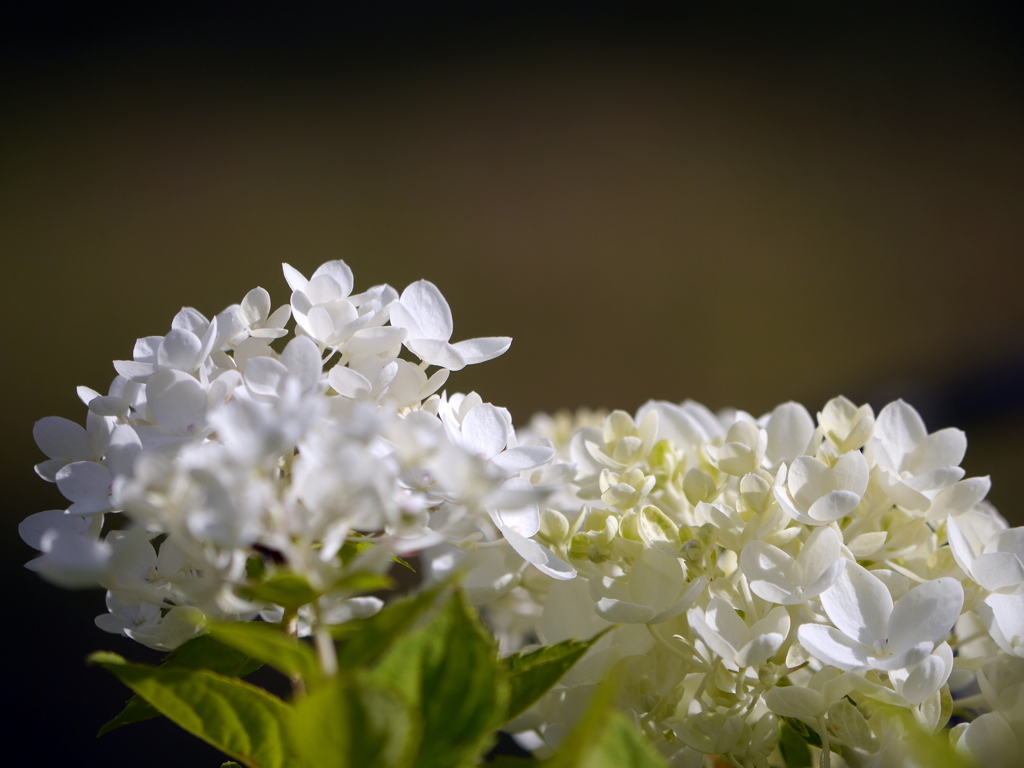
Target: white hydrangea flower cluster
x=767 y=572
x=216 y=458
x=761 y=578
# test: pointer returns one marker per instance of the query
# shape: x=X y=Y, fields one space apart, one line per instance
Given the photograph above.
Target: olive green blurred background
x=741 y=206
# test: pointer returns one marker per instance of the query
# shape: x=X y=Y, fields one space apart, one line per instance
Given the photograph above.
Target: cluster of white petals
x=218 y=457
x=838 y=577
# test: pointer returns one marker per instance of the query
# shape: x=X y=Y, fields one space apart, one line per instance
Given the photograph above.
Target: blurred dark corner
x=742 y=204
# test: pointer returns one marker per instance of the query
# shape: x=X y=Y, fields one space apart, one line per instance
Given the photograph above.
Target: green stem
x=290 y=621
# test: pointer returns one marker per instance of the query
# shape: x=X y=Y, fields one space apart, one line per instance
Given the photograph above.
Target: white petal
x=255 y=306
x=833 y=506
x=768 y=569
x=480 y=350
x=428 y=309
x=759 y=650
x=721 y=617
x=436 y=352
x=341 y=273
x=349 y=383
x=712 y=639
x=134 y=371
x=690 y=596
x=525 y=520
x=190 y=319
x=32 y=528
x=524 y=457
x=622 y=612
x=851 y=473
x=925 y=613
x=323 y=289
x=177 y=401
x=991 y=741
x=926 y=678
x=859 y=604
x=900 y=429
x=542 y=558
x=302 y=359
x=945 y=448
x=795 y=701
x=374 y=341
x=790 y=430
x=317 y=323
x=820 y=552
x=998 y=570
x=808 y=479
x=485 y=430
x=179 y=349
x=71 y=560
x=61 y=438
x=656 y=579
x=124 y=446
x=295 y=279
x=83 y=480
x=263 y=375
x=958 y=498
x=831 y=646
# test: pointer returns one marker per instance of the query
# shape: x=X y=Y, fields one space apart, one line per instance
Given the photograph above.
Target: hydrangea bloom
x=770 y=573
x=217 y=457
x=757 y=575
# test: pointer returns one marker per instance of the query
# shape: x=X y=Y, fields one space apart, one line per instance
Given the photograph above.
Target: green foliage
x=289 y=590
x=269 y=643
x=364 y=582
x=800 y=728
x=448 y=672
x=364 y=641
x=408 y=694
x=604 y=738
x=242 y=721
x=203 y=652
x=793 y=746
x=350 y=724
x=531 y=675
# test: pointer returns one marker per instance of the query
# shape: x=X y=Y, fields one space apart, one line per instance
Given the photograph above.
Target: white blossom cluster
x=830 y=575
x=217 y=456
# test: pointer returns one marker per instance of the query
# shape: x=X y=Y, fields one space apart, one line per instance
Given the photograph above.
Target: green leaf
x=364 y=582
x=531 y=675
x=230 y=764
x=604 y=738
x=794 y=749
x=244 y=722
x=342 y=725
x=364 y=641
x=803 y=731
x=203 y=652
x=289 y=590
x=448 y=671
x=270 y=644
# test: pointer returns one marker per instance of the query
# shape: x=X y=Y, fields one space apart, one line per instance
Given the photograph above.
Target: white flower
x=737 y=643
x=743 y=450
x=780 y=578
x=871 y=632
x=814 y=493
x=997 y=565
x=424 y=314
x=914 y=465
x=655 y=591
x=845 y=425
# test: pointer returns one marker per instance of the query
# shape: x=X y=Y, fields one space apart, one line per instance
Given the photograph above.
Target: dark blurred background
x=735 y=203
